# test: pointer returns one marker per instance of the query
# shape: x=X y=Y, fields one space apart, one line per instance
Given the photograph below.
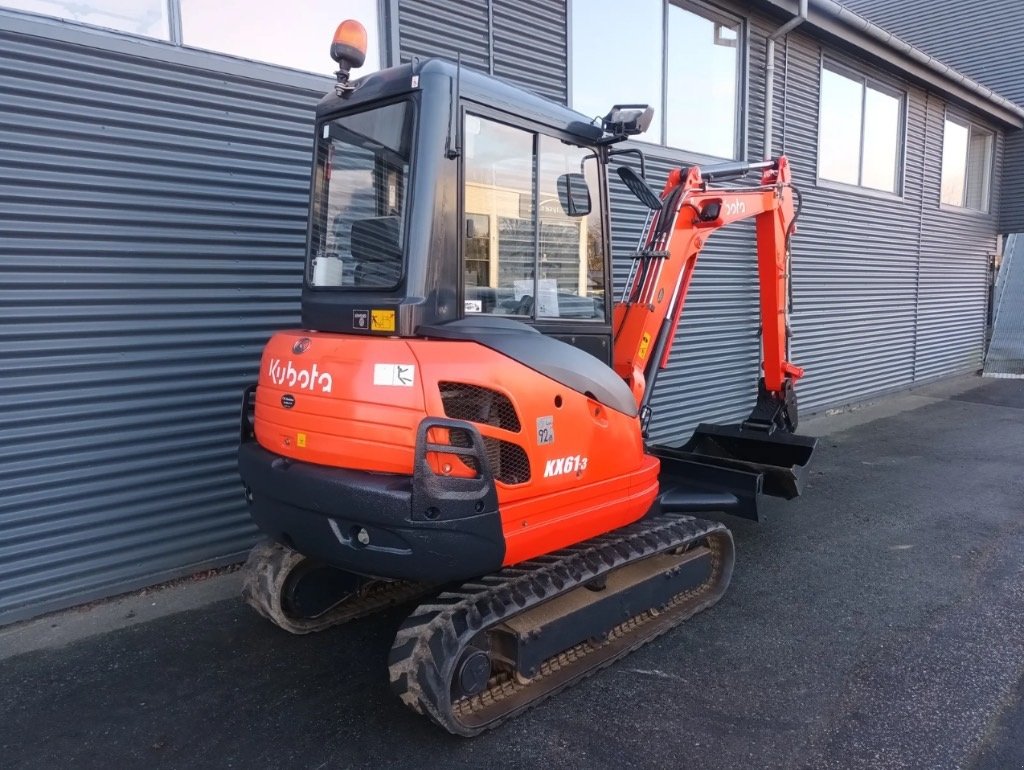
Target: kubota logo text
x=307 y=379
x=563 y=465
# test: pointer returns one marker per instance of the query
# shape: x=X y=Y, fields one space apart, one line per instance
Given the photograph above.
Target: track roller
x=301 y=595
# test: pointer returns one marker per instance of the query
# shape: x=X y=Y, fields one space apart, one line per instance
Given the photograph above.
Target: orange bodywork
x=356 y=402
x=658 y=293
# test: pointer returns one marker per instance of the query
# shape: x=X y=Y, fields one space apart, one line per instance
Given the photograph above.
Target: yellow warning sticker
x=645 y=342
x=300 y=439
x=382 y=320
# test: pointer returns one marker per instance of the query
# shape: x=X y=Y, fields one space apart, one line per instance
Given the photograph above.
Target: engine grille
x=474 y=403
x=508 y=462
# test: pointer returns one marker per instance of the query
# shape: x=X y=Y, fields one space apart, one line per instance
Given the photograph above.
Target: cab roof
x=440 y=75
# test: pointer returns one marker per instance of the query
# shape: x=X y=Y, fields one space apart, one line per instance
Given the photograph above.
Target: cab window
x=527 y=251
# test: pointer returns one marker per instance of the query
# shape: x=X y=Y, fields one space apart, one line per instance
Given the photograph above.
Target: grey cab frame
x=430 y=290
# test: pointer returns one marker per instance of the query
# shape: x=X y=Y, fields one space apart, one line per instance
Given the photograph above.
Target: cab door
x=524 y=255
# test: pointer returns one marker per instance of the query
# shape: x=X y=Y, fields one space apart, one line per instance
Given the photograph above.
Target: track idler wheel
x=302 y=595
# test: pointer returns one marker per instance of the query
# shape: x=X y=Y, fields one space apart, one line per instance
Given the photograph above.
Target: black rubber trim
x=319 y=511
x=553 y=358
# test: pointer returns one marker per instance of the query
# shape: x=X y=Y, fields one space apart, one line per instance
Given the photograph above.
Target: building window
x=966 y=165
x=148 y=18
x=267 y=32
x=860 y=132
x=699 y=51
x=256 y=30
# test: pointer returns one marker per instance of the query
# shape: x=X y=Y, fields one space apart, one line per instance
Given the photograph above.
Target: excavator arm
x=683 y=217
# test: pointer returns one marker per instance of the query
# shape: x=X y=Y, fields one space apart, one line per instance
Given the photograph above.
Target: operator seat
x=376 y=251
x=562 y=362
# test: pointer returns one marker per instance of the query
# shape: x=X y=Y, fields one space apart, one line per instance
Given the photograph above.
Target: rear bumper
x=422 y=527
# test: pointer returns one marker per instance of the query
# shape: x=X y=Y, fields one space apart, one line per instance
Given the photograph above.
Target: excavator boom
x=689 y=212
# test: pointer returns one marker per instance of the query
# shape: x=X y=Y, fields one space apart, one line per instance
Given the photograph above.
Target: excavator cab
x=441 y=195
x=447 y=203
x=467 y=400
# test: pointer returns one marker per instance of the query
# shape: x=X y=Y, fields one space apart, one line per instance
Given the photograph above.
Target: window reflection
x=616 y=57
x=859 y=133
x=702 y=55
x=522 y=256
x=839 y=128
x=966 y=165
x=954 y=163
x=570 y=272
x=263 y=31
x=139 y=17
x=881 y=140
x=979 y=153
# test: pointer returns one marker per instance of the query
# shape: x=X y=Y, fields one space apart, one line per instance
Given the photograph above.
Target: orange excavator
x=462 y=419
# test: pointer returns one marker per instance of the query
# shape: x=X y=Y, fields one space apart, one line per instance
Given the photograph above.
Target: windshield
x=358 y=213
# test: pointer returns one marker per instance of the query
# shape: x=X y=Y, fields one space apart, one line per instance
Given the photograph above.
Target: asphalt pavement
x=875 y=622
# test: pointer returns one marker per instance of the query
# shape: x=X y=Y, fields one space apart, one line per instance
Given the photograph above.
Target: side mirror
x=574 y=195
x=637 y=185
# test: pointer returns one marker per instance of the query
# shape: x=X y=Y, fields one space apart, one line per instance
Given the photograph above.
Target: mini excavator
x=463 y=419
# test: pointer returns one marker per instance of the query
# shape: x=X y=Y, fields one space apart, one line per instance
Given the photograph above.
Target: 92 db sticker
x=545 y=430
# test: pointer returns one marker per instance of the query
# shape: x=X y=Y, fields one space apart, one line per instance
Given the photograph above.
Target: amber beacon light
x=348 y=49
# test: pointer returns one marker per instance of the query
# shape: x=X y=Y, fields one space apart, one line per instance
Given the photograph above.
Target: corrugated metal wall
x=523 y=42
x=957 y=248
x=153 y=217
x=442 y=28
x=984 y=39
x=887 y=291
x=153 y=221
x=874 y=278
x=855 y=255
x=1011 y=212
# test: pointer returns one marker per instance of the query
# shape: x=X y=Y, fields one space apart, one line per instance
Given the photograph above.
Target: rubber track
x=267 y=569
x=429 y=644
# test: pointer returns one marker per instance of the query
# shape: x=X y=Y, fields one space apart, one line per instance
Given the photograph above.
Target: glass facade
x=259 y=30
x=860 y=132
x=966 y=165
x=662 y=54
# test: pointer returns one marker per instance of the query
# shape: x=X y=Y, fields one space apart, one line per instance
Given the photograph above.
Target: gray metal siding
x=854 y=259
x=530 y=45
x=442 y=28
x=153 y=220
x=957 y=247
x=888 y=291
x=523 y=42
x=1011 y=210
x=983 y=39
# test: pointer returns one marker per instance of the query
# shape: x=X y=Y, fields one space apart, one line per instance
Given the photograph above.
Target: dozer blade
x=780 y=458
